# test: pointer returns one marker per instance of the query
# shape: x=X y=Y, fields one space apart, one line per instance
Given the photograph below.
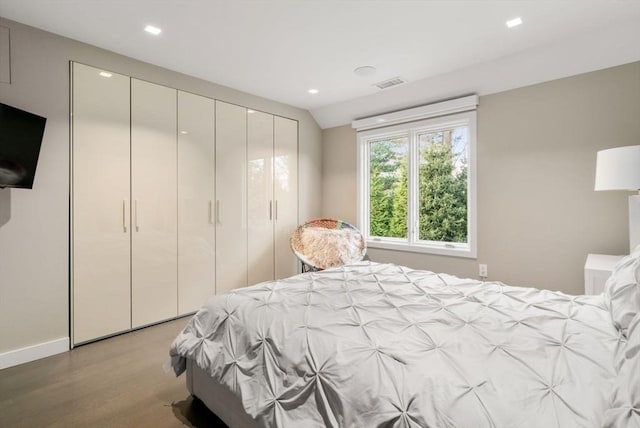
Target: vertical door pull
x=218 y=212
x=124 y=221
x=276 y=210
x=135 y=215
x=270 y=210
x=210 y=212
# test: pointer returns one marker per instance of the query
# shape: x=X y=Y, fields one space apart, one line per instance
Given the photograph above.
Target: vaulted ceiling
x=281 y=49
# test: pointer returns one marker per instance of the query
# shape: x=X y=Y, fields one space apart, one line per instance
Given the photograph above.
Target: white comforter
x=379 y=345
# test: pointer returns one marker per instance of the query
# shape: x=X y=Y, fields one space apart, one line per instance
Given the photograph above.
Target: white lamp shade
x=618 y=169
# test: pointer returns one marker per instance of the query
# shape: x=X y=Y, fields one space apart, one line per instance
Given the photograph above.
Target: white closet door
x=231 y=197
x=196 y=166
x=100 y=225
x=285 y=173
x=260 y=203
x=154 y=288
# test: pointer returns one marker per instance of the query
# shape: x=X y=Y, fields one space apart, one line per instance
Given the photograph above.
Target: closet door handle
x=135 y=215
x=218 y=212
x=276 y=210
x=270 y=210
x=210 y=212
x=124 y=220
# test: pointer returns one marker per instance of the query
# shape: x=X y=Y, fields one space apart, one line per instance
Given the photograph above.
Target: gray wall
x=34 y=224
x=538 y=216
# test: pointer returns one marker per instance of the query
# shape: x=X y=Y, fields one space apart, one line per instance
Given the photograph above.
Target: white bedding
x=379 y=345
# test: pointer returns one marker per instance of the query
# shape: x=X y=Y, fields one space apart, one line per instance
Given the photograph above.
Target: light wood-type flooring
x=116 y=382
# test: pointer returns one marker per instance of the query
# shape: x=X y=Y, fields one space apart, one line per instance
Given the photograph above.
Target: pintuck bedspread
x=380 y=345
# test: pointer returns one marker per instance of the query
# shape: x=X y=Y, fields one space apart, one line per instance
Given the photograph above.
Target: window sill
x=463 y=252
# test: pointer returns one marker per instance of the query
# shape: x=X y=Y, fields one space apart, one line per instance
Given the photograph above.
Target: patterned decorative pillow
x=622 y=291
x=624 y=409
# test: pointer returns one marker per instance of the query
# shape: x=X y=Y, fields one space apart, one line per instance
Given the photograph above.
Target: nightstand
x=597 y=270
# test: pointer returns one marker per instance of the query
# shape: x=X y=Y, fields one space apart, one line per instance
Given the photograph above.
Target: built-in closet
x=196 y=195
x=154 y=237
x=175 y=197
x=257 y=196
x=231 y=197
x=272 y=146
x=101 y=203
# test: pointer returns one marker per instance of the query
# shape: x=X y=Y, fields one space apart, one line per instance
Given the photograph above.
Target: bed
x=381 y=345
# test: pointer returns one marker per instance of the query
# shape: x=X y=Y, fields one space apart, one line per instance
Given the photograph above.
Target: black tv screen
x=20 y=139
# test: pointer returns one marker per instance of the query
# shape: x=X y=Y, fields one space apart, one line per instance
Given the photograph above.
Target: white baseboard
x=34 y=352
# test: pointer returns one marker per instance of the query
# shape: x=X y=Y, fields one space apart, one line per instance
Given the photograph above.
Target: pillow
x=624 y=410
x=622 y=291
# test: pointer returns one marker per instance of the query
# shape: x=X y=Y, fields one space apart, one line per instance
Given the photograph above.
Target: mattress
x=371 y=345
x=218 y=398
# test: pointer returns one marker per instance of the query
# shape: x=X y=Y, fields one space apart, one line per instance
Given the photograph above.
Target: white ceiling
x=280 y=49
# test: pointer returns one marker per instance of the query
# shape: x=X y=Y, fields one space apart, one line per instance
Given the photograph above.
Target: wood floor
x=117 y=382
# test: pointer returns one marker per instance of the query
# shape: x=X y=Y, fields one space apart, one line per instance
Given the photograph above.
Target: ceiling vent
x=394 y=81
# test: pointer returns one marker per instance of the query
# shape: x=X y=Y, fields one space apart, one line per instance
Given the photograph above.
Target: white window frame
x=412 y=129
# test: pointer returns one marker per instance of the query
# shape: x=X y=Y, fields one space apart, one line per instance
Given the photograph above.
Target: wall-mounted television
x=20 y=139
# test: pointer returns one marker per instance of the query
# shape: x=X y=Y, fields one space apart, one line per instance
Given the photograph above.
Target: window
x=416 y=185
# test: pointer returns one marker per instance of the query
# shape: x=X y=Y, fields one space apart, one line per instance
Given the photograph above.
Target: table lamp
x=619 y=169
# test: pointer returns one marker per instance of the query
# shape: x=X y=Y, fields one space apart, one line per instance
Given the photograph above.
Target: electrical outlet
x=483 y=271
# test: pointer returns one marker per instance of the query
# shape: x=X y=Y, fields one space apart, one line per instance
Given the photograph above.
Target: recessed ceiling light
x=380 y=120
x=514 y=22
x=313 y=91
x=251 y=111
x=153 y=30
x=184 y=132
x=105 y=74
x=365 y=70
